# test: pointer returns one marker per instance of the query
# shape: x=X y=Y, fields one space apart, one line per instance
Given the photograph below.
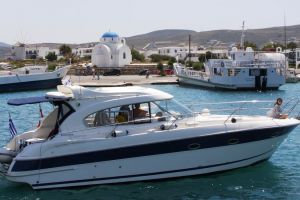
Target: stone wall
x=132 y=69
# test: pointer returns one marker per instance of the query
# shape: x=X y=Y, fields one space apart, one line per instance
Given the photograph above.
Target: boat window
x=158 y=113
x=99 y=118
x=122 y=114
x=111 y=116
x=63 y=111
x=141 y=113
x=173 y=108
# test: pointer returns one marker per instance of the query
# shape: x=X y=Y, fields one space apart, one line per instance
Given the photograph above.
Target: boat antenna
x=243 y=36
x=285 y=45
x=189 y=49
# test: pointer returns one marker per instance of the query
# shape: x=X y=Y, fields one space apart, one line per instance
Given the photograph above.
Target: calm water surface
x=277 y=178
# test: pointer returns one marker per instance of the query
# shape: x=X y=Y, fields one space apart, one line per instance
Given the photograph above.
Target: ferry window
x=254 y=72
x=141 y=113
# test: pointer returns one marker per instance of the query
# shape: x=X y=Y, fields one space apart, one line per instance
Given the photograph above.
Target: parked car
x=169 y=71
x=143 y=72
x=113 y=72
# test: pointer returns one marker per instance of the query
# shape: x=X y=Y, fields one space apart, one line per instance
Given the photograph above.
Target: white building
x=83 y=52
x=172 y=51
x=297 y=58
x=18 y=51
x=111 y=51
x=40 y=52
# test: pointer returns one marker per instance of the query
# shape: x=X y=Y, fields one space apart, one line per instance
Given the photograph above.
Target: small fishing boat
x=31 y=78
x=125 y=134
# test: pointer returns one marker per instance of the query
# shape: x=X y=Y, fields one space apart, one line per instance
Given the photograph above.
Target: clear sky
x=77 y=21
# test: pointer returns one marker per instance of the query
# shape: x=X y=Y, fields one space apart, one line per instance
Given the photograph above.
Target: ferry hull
x=206 y=84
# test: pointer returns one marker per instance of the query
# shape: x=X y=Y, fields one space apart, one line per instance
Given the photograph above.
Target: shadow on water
x=263 y=180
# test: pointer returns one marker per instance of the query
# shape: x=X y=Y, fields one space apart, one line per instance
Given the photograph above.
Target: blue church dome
x=110 y=35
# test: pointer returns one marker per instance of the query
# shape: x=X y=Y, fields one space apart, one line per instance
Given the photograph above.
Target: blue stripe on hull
x=86 y=181
x=30 y=85
x=206 y=141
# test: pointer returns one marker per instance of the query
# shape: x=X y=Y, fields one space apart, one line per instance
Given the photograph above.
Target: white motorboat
x=243 y=70
x=31 y=78
x=85 y=141
x=291 y=76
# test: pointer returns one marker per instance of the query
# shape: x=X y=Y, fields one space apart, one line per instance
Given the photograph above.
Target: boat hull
x=178 y=158
x=30 y=85
x=34 y=81
x=184 y=80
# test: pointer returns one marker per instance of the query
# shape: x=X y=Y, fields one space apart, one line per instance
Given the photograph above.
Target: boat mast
x=285 y=46
x=243 y=36
x=190 y=49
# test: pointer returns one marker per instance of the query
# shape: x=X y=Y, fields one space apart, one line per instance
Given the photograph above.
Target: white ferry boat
x=243 y=70
x=83 y=141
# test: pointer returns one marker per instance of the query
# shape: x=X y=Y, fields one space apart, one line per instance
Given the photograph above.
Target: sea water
x=277 y=178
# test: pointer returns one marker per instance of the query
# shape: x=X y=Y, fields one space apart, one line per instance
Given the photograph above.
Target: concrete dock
x=122 y=80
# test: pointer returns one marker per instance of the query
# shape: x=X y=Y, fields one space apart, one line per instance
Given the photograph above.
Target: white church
x=111 y=51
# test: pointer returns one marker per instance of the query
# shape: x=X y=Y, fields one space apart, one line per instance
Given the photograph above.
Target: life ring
x=222 y=64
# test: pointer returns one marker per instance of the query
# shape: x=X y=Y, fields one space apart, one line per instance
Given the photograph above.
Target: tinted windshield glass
x=174 y=108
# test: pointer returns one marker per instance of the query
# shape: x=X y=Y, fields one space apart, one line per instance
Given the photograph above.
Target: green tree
x=267 y=47
x=250 y=44
x=65 y=50
x=159 y=58
x=171 y=61
x=51 y=56
x=160 y=67
x=198 y=66
x=137 y=55
x=292 y=45
x=51 y=67
x=210 y=55
x=202 y=58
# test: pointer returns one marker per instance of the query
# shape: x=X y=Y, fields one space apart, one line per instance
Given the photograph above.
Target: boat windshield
x=174 y=108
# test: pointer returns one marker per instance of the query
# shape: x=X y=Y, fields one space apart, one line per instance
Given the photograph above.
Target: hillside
x=2 y=44
x=177 y=37
x=174 y=37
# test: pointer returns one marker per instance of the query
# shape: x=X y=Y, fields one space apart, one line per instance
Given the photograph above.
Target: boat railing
x=253 y=107
x=235 y=63
x=190 y=72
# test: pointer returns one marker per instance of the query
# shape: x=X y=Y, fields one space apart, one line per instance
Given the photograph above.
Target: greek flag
x=12 y=128
x=67 y=82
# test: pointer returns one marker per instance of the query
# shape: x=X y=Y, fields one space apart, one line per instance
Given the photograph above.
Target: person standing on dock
x=94 y=71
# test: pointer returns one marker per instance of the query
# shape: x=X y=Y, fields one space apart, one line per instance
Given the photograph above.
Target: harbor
x=123 y=80
x=126 y=100
x=275 y=178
